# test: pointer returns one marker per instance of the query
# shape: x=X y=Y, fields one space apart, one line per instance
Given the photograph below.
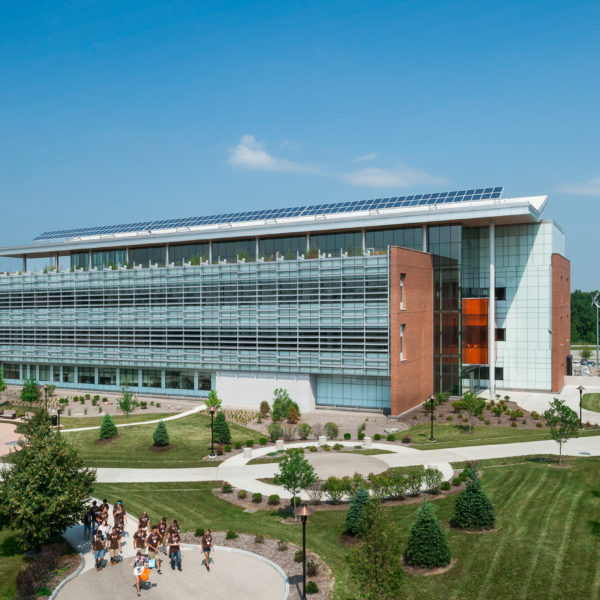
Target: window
x=151 y=378
x=11 y=371
x=56 y=374
x=333 y=243
x=87 y=375
x=145 y=256
x=128 y=377
x=80 y=260
x=192 y=253
x=204 y=381
x=108 y=258
x=285 y=246
x=402 y=327
x=44 y=373
x=500 y=334
x=500 y=293
x=402 y=278
x=231 y=251
x=107 y=376
x=379 y=240
x=68 y=374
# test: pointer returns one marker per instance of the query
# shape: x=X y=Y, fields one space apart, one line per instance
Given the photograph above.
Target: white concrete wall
x=248 y=390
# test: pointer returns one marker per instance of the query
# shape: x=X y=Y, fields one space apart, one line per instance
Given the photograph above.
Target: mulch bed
x=285 y=559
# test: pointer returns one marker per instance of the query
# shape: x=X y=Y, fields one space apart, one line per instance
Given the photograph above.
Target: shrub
x=257 y=498
x=273 y=500
x=85 y=411
x=414 y=480
x=161 y=435
x=106 y=400
x=391 y=438
x=313 y=448
x=445 y=486
x=99 y=410
x=406 y=439
x=75 y=398
x=524 y=421
x=304 y=430
x=312 y=568
x=242 y=494
x=427 y=544
x=473 y=508
x=355 y=511
x=259 y=538
x=108 y=429
x=334 y=489
x=513 y=424
x=152 y=403
x=82 y=400
x=295 y=501
x=456 y=481
x=282 y=545
x=222 y=433
x=298 y=556
x=312 y=588
x=538 y=424
x=199 y=531
x=238 y=445
x=326 y=447
x=331 y=430
x=433 y=480
x=143 y=404
x=535 y=415
x=448 y=418
x=264 y=409
x=96 y=397
x=487 y=421
x=87 y=396
x=64 y=401
x=337 y=447
x=275 y=431
x=227 y=448
x=226 y=489
x=282 y=405
x=249 y=443
x=377 y=437
x=347 y=436
x=293 y=415
x=288 y=432
x=231 y=535
x=158 y=405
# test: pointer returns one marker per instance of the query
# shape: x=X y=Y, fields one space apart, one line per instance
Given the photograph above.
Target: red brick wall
x=411 y=378
x=561 y=319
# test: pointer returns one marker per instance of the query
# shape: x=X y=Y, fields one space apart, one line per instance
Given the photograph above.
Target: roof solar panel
x=281 y=213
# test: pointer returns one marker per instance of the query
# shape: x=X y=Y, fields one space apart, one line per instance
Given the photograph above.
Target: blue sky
x=118 y=111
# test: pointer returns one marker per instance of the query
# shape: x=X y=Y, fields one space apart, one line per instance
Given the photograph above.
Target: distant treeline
x=583 y=317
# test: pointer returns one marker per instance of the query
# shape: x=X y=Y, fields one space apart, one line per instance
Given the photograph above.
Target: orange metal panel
x=475 y=323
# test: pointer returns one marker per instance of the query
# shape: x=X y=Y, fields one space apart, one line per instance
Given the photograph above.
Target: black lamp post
x=432 y=400
x=303 y=511
x=212 y=431
x=46 y=397
x=580 y=388
x=58 y=419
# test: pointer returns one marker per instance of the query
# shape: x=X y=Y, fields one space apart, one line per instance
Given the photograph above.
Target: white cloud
x=250 y=154
x=399 y=176
x=365 y=157
x=585 y=188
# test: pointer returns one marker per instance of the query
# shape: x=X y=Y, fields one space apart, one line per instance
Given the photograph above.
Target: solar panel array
x=282 y=213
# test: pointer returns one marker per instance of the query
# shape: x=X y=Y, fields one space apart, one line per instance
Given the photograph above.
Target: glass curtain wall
x=192 y=253
x=80 y=260
x=287 y=247
x=145 y=256
x=378 y=241
x=445 y=245
x=231 y=251
x=108 y=258
x=333 y=243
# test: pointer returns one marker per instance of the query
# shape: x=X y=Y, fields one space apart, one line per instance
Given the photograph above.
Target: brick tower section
x=561 y=319
x=411 y=328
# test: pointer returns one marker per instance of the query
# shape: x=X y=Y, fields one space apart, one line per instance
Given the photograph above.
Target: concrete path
x=8 y=438
x=187 y=413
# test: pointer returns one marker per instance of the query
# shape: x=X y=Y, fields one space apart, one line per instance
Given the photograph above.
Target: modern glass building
x=372 y=304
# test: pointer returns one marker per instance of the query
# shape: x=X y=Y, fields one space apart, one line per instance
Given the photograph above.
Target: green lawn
x=76 y=422
x=11 y=563
x=190 y=437
x=266 y=460
x=546 y=546
x=454 y=436
x=591 y=402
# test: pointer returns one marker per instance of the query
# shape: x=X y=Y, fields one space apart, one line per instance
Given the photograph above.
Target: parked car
x=584 y=361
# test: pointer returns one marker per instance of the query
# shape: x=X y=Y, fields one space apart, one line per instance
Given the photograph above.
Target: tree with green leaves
x=583 y=317
x=213 y=400
x=221 y=431
x=563 y=423
x=355 y=510
x=374 y=564
x=2 y=381
x=47 y=488
x=127 y=403
x=473 y=404
x=31 y=392
x=295 y=473
x=282 y=404
x=161 y=435
x=427 y=543
x=473 y=508
x=108 y=429
x=585 y=352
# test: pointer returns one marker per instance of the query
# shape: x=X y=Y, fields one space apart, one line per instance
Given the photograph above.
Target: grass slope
x=76 y=422
x=546 y=545
x=12 y=562
x=591 y=402
x=190 y=437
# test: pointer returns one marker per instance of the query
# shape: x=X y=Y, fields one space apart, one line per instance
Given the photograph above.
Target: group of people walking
x=148 y=540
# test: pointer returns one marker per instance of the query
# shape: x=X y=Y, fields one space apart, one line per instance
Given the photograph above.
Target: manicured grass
x=267 y=460
x=454 y=436
x=189 y=436
x=591 y=402
x=546 y=544
x=76 y=422
x=12 y=562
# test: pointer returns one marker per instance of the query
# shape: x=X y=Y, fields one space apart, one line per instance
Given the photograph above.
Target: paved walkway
x=8 y=438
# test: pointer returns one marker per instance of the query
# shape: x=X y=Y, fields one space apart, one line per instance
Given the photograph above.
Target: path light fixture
x=212 y=410
x=580 y=388
x=596 y=303
x=432 y=401
x=303 y=512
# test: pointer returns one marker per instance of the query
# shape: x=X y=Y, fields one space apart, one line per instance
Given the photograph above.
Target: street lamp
x=596 y=303
x=303 y=511
x=46 y=397
x=58 y=418
x=580 y=388
x=212 y=430
x=432 y=400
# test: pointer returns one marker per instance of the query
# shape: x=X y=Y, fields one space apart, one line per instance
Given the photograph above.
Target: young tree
x=295 y=473
x=563 y=423
x=221 y=429
x=355 y=510
x=127 y=403
x=585 y=352
x=473 y=404
x=108 y=429
x=31 y=392
x=161 y=435
x=473 y=508
x=47 y=488
x=282 y=404
x=213 y=400
x=427 y=544
x=374 y=564
x=2 y=382
x=264 y=409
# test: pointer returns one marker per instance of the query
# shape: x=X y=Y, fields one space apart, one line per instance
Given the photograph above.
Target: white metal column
x=492 y=311
x=424 y=236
